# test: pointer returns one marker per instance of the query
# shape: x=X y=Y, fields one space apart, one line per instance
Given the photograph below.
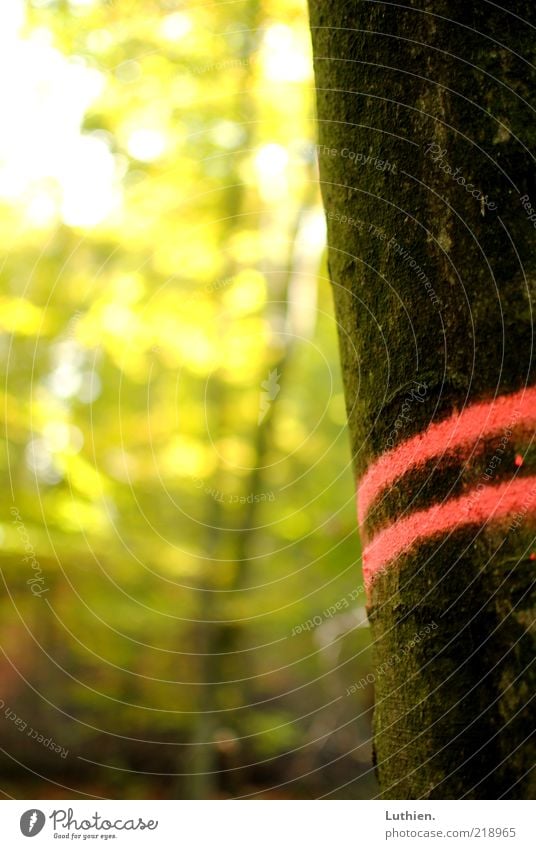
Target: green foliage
x=162 y=264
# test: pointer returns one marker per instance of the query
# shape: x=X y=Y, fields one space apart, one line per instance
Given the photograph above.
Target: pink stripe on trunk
x=459 y=433
x=492 y=503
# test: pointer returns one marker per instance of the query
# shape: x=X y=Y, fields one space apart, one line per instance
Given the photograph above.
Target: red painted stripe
x=458 y=433
x=477 y=507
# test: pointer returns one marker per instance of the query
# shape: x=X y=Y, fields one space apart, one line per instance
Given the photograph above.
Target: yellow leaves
x=122 y=466
x=244 y=247
x=76 y=515
x=128 y=288
x=190 y=254
x=181 y=343
x=296 y=525
x=178 y=564
x=185 y=89
x=121 y=331
x=286 y=54
x=84 y=477
x=62 y=438
x=191 y=134
x=243 y=347
x=198 y=349
x=175 y=26
x=235 y=453
x=195 y=331
x=146 y=143
x=119 y=321
x=18 y=315
x=290 y=432
x=227 y=134
x=271 y=164
x=187 y=457
x=14 y=416
x=248 y=293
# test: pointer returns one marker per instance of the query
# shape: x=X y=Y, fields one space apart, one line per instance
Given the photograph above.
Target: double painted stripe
x=494 y=503
x=455 y=437
x=457 y=434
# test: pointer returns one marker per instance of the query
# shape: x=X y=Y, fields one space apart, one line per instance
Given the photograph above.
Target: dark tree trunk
x=432 y=260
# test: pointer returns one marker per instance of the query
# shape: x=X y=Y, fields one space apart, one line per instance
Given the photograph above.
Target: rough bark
x=454 y=719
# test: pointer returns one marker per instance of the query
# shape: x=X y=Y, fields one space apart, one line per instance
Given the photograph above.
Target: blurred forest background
x=182 y=612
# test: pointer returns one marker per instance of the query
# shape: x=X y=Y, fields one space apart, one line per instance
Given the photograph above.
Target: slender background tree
x=426 y=140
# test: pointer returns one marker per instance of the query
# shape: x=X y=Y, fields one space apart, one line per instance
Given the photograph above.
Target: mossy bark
x=434 y=284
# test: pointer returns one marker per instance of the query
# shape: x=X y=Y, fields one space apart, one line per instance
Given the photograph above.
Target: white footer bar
x=263 y=824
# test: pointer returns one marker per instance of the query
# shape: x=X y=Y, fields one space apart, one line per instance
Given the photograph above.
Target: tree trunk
x=425 y=132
